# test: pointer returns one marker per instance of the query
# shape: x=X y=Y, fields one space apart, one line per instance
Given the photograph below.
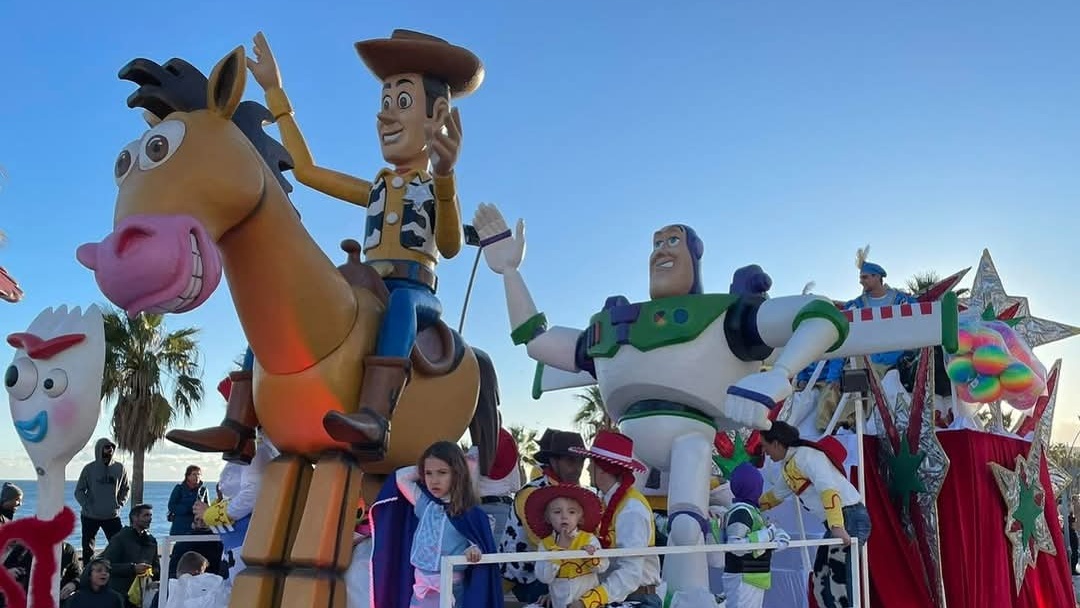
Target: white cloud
x=166 y=462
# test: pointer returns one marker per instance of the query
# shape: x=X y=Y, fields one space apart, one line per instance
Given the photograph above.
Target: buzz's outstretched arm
x=555 y=346
x=806 y=328
x=809 y=328
x=503 y=252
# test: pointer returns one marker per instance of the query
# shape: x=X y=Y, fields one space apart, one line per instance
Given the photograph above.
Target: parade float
x=676 y=369
x=962 y=515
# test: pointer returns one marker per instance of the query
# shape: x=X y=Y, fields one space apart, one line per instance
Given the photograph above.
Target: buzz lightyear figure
x=674 y=369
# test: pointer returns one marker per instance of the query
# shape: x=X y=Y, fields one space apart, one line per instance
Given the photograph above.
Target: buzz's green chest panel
x=654 y=323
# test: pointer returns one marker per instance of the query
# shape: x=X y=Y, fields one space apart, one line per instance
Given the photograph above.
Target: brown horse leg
x=270 y=534
x=323 y=547
x=368 y=430
x=235 y=436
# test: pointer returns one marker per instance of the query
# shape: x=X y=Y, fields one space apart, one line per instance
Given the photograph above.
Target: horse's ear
x=150 y=118
x=227 y=84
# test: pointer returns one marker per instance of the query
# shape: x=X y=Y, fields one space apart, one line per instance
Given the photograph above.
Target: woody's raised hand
x=264 y=67
x=443 y=147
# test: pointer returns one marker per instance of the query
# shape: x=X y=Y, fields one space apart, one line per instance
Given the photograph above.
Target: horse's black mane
x=178 y=86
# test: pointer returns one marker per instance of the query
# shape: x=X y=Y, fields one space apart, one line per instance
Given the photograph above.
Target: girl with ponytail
x=815 y=472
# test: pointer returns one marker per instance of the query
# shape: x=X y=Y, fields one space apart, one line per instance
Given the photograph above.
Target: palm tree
x=142 y=363
x=526 y=442
x=592 y=416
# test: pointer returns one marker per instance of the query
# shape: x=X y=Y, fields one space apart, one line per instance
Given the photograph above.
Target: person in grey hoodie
x=101 y=491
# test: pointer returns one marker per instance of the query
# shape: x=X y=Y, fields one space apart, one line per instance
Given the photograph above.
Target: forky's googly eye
x=55 y=383
x=21 y=379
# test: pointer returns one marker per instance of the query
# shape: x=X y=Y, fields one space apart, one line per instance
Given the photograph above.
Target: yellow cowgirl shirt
x=570 y=568
x=811 y=475
x=632 y=527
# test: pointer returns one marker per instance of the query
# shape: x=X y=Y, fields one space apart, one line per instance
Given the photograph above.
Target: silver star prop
x=1044 y=421
x=1024 y=553
x=987 y=290
x=924 y=526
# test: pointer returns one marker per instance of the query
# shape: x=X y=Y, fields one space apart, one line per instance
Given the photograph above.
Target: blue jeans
x=857 y=525
x=412 y=307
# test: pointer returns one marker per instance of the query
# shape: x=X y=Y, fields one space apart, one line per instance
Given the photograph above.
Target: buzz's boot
x=235 y=436
x=368 y=430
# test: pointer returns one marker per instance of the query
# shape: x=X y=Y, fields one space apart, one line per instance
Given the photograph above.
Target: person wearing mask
x=101 y=491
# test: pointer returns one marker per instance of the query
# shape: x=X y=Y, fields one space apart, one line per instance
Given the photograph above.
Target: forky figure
x=54 y=390
x=678 y=367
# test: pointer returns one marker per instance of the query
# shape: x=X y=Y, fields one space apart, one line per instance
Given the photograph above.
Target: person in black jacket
x=132 y=550
x=97 y=593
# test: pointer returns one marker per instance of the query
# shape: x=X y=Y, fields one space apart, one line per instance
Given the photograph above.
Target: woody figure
x=413 y=215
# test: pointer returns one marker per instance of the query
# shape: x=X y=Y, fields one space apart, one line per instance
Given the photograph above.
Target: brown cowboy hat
x=406 y=51
x=558 y=443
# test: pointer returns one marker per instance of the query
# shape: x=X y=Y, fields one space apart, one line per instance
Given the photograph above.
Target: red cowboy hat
x=616 y=448
x=406 y=52
x=537 y=502
x=506 y=456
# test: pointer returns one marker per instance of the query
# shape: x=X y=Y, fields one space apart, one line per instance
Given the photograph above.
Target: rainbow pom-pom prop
x=993 y=363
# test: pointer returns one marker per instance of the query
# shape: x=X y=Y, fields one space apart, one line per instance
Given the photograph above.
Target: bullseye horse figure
x=202 y=192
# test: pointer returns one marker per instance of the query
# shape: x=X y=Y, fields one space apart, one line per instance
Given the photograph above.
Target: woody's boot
x=368 y=430
x=235 y=436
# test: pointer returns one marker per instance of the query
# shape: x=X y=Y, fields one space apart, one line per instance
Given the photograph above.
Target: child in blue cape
x=423 y=513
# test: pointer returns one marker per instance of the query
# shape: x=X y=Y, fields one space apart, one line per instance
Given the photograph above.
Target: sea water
x=155 y=493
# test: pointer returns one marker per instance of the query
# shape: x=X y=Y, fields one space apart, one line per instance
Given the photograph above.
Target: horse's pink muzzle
x=155 y=263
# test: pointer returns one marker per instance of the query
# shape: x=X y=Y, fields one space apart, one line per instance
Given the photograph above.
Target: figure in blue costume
x=877 y=293
x=415 y=527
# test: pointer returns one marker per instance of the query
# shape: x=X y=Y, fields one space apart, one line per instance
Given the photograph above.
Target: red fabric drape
x=976 y=555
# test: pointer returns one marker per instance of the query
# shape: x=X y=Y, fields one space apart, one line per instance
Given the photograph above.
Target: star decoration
x=904 y=479
x=989 y=299
x=939 y=289
x=1039 y=422
x=418 y=192
x=1025 y=515
x=730 y=452
x=915 y=477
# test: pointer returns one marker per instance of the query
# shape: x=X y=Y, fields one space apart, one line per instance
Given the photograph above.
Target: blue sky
x=787 y=134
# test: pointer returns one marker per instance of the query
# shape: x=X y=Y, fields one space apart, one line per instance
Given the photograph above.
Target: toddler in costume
x=565 y=518
x=747 y=573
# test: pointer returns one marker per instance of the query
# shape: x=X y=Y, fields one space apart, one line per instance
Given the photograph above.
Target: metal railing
x=446 y=573
x=165 y=547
